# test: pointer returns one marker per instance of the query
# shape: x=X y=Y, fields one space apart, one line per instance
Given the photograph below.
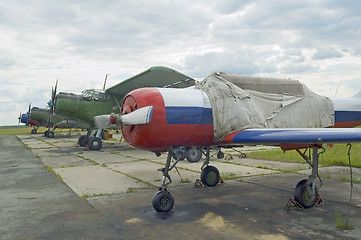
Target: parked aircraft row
x=162 y=110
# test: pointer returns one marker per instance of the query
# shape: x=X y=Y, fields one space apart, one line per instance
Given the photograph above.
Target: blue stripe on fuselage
x=188 y=115
x=347 y=116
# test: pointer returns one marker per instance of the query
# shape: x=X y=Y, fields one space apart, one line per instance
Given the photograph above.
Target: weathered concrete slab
x=147 y=172
x=34 y=204
x=64 y=161
x=250 y=208
x=103 y=157
x=96 y=180
x=227 y=168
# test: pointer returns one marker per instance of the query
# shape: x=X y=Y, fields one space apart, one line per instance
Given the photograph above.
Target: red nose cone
x=129 y=132
x=161 y=133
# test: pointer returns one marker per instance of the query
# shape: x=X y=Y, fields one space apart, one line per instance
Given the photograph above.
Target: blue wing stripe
x=298 y=136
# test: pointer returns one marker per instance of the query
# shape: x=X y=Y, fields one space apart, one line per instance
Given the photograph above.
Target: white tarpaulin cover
x=243 y=102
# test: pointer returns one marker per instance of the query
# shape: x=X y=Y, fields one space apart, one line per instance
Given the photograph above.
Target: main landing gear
x=93 y=142
x=306 y=191
x=34 y=130
x=163 y=200
x=50 y=132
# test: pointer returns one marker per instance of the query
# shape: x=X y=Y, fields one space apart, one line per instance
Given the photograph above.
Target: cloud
x=324 y=53
x=79 y=42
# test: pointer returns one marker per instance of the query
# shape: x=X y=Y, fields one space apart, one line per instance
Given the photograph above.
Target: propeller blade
x=52 y=101
x=139 y=116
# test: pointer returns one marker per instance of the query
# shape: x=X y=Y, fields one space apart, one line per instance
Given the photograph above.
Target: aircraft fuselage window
x=95 y=95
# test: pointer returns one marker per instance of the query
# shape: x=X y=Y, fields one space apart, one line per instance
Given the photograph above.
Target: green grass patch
x=334 y=156
x=14 y=130
x=347 y=179
x=230 y=176
x=85 y=196
x=51 y=170
x=87 y=159
x=185 y=180
x=21 y=129
x=131 y=190
x=341 y=224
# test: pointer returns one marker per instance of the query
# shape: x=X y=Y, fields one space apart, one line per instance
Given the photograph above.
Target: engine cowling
x=180 y=117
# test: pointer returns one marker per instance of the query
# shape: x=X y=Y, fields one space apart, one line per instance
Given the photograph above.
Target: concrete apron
x=120 y=182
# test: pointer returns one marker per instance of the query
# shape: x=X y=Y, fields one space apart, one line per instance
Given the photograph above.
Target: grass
x=230 y=176
x=341 y=224
x=185 y=180
x=334 y=156
x=85 y=196
x=87 y=159
x=21 y=129
x=131 y=190
x=51 y=170
x=347 y=179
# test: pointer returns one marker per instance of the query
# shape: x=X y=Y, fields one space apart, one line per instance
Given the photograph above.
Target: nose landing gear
x=163 y=200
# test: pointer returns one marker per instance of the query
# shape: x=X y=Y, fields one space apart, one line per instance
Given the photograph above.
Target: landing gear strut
x=94 y=143
x=306 y=191
x=163 y=200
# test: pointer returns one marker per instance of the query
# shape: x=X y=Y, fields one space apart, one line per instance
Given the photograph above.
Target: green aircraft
x=94 y=102
x=40 y=117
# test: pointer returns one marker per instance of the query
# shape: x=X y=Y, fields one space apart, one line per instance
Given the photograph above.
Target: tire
x=163 y=203
x=50 y=134
x=303 y=194
x=82 y=141
x=33 y=131
x=210 y=176
x=177 y=154
x=194 y=155
x=220 y=154
x=46 y=133
x=95 y=143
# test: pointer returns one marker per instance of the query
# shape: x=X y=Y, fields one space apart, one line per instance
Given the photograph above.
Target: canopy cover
x=242 y=102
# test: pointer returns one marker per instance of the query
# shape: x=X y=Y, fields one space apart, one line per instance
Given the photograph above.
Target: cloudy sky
x=79 y=42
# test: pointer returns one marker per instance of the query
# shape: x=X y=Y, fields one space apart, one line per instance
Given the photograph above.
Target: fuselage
x=39 y=117
x=347 y=112
x=184 y=117
x=83 y=107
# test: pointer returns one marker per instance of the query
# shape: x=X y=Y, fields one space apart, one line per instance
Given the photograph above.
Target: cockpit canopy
x=95 y=95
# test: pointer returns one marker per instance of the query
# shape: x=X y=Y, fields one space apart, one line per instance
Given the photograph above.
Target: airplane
x=93 y=102
x=39 y=117
x=227 y=110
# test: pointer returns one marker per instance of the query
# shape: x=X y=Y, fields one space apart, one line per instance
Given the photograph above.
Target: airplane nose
x=24 y=118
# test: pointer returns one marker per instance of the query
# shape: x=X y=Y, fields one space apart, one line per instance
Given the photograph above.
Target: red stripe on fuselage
x=347 y=124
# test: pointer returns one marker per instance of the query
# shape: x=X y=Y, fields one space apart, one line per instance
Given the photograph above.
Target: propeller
x=24 y=118
x=139 y=116
x=51 y=103
x=53 y=95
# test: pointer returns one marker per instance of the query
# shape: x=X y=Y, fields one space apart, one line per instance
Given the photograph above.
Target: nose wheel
x=163 y=201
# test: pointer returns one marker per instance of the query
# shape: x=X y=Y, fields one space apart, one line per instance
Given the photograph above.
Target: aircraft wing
x=284 y=136
x=153 y=77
